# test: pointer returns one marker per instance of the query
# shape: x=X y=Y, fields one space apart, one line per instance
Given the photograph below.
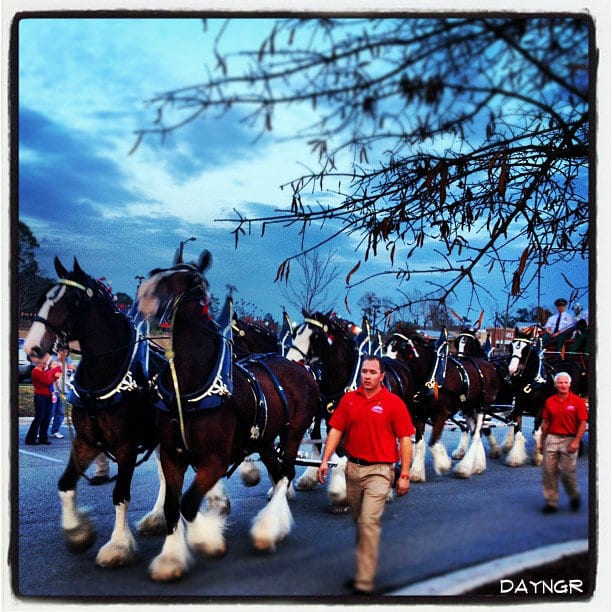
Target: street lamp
x=182 y=244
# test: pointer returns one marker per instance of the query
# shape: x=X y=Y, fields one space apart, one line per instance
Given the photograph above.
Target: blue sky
x=82 y=87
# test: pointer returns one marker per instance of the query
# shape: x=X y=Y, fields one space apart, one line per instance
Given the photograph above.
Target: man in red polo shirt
x=564 y=422
x=371 y=420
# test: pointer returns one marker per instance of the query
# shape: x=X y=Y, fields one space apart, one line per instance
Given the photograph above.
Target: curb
x=461 y=581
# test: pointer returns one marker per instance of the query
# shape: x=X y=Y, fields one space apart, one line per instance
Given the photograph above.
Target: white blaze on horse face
x=461 y=347
x=301 y=344
x=36 y=335
x=148 y=302
x=515 y=358
x=390 y=351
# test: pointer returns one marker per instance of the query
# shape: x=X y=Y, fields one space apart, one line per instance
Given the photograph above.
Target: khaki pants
x=558 y=462
x=367 y=489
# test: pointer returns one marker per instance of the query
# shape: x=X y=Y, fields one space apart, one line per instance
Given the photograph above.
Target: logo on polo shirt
x=377 y=409
x=570 y=407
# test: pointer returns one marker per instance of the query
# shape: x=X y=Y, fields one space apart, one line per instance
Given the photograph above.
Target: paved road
x=442 y=526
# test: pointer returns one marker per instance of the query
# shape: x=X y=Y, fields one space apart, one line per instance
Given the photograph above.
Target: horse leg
x=79 y=531
x=417 y=469
x=249 y=472
x=217 y=499
x=475 y=460
x=537 y=457
x=441 y=460
x=464 y=442
x=336 y=488
x=205 y=529
x=495 y=450
x=273 y=523
x=121 y=548
x=309 y=478
x=154 y=523
x=517 y=456
x=174 y=558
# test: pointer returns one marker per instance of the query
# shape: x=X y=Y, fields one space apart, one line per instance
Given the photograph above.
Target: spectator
x=44 y=375
x=64 y=360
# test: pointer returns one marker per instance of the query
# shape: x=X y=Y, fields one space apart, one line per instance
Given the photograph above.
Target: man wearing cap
x=559 y=327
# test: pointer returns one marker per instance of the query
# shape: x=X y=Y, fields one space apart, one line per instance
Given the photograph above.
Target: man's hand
x=402 y=486
x=322 y=472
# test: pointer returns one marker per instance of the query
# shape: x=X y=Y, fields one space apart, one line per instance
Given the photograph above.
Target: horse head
x=467 y=344
x=61 y=308
x=166 y=284
x=520 y=348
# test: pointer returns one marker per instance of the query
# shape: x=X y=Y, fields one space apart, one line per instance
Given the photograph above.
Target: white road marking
x=25 y=452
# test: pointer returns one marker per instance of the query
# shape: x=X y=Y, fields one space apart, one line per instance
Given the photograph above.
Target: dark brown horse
x=252 y=338
x=112 y=400
x=216 y=412
x=447 y=386
x=325 y=344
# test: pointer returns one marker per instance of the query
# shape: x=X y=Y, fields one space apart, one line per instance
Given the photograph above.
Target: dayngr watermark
x=541 y=587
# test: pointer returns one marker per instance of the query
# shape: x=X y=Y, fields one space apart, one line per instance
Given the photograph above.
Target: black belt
x=564 y=435
x=365 y=462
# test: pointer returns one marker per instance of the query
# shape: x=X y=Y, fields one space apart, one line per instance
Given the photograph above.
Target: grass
x=26 y=401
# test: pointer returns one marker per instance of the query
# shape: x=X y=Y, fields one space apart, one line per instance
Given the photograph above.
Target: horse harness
x=132 y=377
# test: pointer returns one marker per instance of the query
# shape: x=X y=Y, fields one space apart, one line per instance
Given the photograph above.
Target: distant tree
x=124 y=301
x=310 y=287
x=27 y=245
x=438 y=317
x=30 y=282
x=371 y=306
x=470 y=134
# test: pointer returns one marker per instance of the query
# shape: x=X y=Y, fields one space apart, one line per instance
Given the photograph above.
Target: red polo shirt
x=564 y=415
x=372 y=426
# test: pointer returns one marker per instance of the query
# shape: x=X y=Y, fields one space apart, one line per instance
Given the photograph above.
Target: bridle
x=62 y=334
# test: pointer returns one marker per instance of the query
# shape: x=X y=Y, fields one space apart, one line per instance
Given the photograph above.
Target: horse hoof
x=339 y=509
x=263 y=545
x=152 y=525
x=496 y=454
x=166 y=569
x=81 y=538
x=112 y=555
x=305 y=485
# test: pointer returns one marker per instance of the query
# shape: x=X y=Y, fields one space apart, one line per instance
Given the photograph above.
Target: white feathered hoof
x=441 y=460
x=308 y=480
x=537 y=458
x=249 y=473
x=82 y=537
x=517 y=456
x=152 y=524
x=167 y=568
x=205 y=535
x=116 y=555
x=274 y=521
x=495 y=451
x=462 y=471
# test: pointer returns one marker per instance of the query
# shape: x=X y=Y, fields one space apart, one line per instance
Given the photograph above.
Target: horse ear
x=205 y=260
x=177 y=257
x=59 y=268
x=77 y=268
x=305 y=313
